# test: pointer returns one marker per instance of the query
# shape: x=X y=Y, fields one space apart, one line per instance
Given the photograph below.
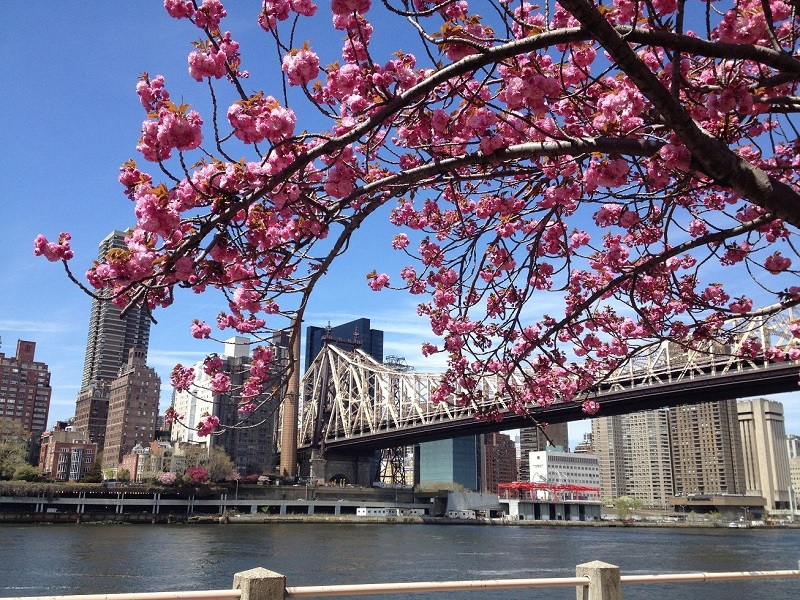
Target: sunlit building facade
x=766 y=462
x=25 y=389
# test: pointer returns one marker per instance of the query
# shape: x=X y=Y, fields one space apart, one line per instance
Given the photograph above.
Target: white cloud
x=43 y=326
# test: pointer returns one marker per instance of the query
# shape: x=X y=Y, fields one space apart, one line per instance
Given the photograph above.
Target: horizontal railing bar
x=193 y=595
x=365 y=589
x=426 y=586
x=691 y=577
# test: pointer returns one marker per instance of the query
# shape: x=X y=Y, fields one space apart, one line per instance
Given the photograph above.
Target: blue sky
x=70 y=119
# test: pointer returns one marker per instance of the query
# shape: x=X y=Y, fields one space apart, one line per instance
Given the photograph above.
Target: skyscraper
x=354 y=334
x=766 y=462
x=454 y=461
x=25 y=389
x=111 y=337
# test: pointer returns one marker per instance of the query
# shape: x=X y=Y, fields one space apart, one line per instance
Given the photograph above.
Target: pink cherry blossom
x=207 y=63
x=776 y=263
x=179 y=9
x=301 y=66
x=590 y=407
x=347 y=7
x=53 y=251
x=260 y=118
x=182 y=378
x=209 y=14
x=152 y=92
x=378 y=282
x=220 y=383
x=207 y=425
x=200 y=330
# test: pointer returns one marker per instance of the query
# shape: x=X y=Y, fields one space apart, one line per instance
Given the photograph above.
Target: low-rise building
x=65 y=455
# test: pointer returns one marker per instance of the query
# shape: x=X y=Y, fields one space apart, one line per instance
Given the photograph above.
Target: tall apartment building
x=794 y=478
x=25 y=389
x=108 y=345
x=111 y=337
x=706 y=449
x=634 y=456
x=766 y=462
x=653 y=455
x=586 y=445
x=648 y=464
x=252 y=444
x=499 y=461
x=607 y=438
x=533 y=439
x=793 y=449
x=132 y=408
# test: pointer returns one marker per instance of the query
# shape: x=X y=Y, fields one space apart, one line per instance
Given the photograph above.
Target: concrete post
x=604 y=581
x=260 y=584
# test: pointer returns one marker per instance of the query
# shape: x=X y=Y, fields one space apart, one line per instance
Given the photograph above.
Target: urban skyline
x=719 y=448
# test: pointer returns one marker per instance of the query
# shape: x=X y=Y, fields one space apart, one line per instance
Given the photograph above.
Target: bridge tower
x=291 y=407
x=316 y=461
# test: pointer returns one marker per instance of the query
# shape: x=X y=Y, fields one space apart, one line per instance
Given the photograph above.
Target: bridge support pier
x=344 y=468
x=318 y=465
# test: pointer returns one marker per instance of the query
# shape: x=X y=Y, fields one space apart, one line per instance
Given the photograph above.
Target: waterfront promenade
x=265 y=504
x=146 y=504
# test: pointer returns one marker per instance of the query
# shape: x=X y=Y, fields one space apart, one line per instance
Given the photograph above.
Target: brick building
x=25 y=389
x=91 y=411
x=132 y=408
x=65 y=455
x=499 y=460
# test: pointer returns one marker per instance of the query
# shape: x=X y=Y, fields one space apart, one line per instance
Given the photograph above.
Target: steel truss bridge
x=352 y=403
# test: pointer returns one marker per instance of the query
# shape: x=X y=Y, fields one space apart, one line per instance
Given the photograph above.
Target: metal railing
x=194 y=595
x=593 y=581
x=413 y=587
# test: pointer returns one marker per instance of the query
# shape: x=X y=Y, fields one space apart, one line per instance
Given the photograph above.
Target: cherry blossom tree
x=571 y=182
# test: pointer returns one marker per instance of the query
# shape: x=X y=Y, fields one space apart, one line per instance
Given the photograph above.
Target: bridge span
x=354 y=404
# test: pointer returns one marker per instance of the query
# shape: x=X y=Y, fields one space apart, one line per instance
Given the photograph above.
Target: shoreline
x=218 y=519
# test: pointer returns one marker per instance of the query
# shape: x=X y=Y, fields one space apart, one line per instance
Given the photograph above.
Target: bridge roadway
x=773 y=379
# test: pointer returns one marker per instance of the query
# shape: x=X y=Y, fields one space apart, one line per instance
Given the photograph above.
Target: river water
x=84 y=559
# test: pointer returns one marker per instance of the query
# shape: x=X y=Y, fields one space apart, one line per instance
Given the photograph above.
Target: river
x=84 y=559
